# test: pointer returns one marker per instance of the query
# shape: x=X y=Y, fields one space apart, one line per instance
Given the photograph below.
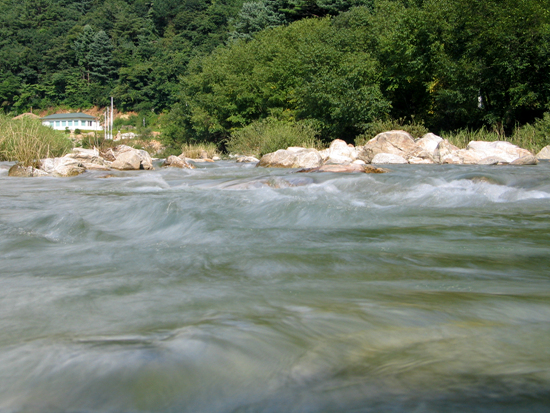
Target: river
x=235 y=289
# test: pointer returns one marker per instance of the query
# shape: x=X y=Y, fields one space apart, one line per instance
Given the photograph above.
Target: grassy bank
x=27 y=141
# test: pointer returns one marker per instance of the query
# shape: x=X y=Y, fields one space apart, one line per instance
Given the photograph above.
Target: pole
x=112 y=110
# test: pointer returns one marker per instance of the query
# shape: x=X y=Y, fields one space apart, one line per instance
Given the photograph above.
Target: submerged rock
x=62 y=167
x=526 y=160
x=25 y=171
x=351 y=168
x=247 y=159
x=177 y=162
x=492 y=160
x=388 y=158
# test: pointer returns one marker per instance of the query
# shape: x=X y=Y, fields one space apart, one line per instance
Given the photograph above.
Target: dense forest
x=213 y=67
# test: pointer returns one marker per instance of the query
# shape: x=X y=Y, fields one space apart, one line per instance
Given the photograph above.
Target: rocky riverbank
x=392 y=147
x=398 y=147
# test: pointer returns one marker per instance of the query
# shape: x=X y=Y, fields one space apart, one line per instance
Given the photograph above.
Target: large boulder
x=504 y=150
x=447 y=153
x=62 y=166
x=395 y=142
x=544 y=153
x=177 y=162
x=388 y=158
x=90 y=158
x=290 y=158
x=125 y=158
x=429 y=143
x=127 y=161
x=339 y=152
x=25 y=171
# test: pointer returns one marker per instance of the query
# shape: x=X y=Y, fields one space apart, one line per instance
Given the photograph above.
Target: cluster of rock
x=399 y=147
x=122 y=157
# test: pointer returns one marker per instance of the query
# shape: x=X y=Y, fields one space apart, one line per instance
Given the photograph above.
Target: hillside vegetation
x=214 y=69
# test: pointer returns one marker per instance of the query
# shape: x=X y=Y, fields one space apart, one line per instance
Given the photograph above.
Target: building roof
x=70 y=116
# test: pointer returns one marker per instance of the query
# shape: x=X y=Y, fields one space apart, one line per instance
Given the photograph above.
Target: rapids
x=235 y=289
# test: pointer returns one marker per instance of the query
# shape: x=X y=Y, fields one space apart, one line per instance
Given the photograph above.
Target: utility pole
x=112 y=110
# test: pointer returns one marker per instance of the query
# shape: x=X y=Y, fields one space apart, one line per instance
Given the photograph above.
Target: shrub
x=414 y=128
x=27 y=141
x=269 y=135
x=197 y=150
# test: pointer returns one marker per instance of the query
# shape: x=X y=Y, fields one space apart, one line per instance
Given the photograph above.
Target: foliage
x=305 y=70
x=268 y=135
x=27 y=141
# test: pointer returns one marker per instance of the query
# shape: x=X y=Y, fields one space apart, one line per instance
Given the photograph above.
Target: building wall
x=73 y=124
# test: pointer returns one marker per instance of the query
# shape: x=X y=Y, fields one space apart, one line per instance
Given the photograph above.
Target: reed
x=27 y=141
x=199 y=150
x=269 y=135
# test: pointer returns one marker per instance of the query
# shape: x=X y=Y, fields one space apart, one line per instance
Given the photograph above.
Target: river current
x=232 y=289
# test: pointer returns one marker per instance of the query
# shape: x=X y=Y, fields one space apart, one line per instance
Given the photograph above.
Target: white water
x=231 y=288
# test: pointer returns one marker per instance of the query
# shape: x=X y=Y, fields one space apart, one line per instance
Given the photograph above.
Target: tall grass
x=27 y=141
x=269 y=135
x=198 y=150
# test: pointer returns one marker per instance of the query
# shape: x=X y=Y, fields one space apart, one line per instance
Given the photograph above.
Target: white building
x=72 y=121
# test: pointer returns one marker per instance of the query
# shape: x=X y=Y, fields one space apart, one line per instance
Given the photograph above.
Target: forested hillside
x=215 y=66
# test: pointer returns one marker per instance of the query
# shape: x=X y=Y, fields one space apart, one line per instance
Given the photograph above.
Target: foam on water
x=230 y=288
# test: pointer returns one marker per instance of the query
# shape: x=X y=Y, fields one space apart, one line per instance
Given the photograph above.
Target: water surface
x=230 y=288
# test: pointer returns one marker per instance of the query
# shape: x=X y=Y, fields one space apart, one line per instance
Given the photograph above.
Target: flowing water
x=231 y=288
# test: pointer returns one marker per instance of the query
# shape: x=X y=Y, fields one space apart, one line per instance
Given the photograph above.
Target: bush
x=414 y=128
x=27 y=141
x=269 y=135
x=199 y=150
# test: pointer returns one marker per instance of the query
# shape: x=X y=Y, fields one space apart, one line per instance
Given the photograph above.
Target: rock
x=525 y=160
x=358 y=162
x=302 y=158
x=505 y=150
x=62 y=167
x=247 y=159
x=429 y=143
x=388 y=158
x=127 y=161
x=177 y=162
x=217 y=158
x=446 y=152
x=544 y=153
x=146 y=160
x=351 y=168
x=492 y=160
x=25 y=171
x=339 y=152
x=89 y=158
x=418 y=160
x=392 y=142
x=124 y=158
